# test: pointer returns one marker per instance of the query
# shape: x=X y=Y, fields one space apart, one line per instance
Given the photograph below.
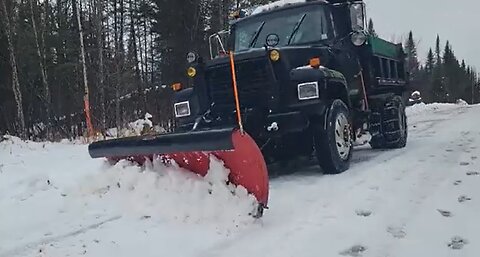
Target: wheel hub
x=342 y=136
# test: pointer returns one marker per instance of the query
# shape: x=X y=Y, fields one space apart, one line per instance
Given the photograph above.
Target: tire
x=334 y=145
x=388 y=125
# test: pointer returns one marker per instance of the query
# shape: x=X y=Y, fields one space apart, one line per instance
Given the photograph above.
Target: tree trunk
x=146 y=48
x=99 y=32
x=86 y=98
x=120 y=40
x=118 y=119
x=140 y=52
x=15 y=82
x=43 y=72
x=46 y=29
x=151 y=55
x=121 y=53
x=142 y=66
x=142 y=104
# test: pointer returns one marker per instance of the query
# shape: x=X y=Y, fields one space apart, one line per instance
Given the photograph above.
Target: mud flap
x=191 y=150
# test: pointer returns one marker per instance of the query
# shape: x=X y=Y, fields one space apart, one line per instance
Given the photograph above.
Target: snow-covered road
x=423 y=200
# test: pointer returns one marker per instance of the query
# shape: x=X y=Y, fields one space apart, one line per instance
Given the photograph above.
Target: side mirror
x=357 y=16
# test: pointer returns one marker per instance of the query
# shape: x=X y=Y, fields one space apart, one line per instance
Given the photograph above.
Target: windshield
x=293 y=26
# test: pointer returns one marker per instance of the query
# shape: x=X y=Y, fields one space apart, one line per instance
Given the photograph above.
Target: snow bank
x=19 y=144
x=169 y=193
x=15 y=143
x=425 y=109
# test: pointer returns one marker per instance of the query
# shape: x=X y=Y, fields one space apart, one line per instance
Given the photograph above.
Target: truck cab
x=295 y=62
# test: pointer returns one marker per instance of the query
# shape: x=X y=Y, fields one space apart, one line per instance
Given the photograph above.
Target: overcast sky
x=455 y=20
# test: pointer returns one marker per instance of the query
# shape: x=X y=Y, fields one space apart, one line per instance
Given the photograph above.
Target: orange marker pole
x=364 y=90
x=88 y=119
x=363 y=86
x=235 y=93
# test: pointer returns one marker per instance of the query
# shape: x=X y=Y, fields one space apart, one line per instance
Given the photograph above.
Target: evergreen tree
x=371 y=29
x=438 y=54
x=412 y=59
x=448 y=56
x=430 y=63
x=438 y=91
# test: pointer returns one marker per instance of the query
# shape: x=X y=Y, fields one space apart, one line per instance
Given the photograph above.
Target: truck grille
x=253 y=82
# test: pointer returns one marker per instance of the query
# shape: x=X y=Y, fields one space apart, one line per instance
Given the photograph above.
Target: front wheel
x=333 y=140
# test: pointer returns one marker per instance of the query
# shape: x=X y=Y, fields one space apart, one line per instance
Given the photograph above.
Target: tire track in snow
x=31 y=246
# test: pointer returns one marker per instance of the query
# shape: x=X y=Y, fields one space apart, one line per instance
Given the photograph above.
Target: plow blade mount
x=190 y=150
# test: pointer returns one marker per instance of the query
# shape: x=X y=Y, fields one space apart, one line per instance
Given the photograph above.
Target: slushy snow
x=418 y=201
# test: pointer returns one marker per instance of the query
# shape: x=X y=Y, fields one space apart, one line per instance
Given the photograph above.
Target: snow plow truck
x=287 y=79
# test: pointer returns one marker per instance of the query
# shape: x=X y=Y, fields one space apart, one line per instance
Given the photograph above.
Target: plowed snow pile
x=55 y=190
x=169 y=192
x=154 y=190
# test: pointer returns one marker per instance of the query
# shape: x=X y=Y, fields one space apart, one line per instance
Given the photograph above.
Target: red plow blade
x=245 y=162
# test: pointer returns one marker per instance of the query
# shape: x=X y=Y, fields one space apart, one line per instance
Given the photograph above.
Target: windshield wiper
x=295 y=29
x=255 y=36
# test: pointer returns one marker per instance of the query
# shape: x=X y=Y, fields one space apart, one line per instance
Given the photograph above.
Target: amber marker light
x=177 y=87
x=315 y=62
x=274 y=55
x=191 y=72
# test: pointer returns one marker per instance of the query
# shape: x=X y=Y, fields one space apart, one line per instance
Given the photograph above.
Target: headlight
x=359 y=38
x=191 y=57
x=308 y=90
x=182 y=109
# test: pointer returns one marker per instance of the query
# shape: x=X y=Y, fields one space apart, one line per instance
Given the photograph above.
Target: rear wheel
x=388 y=125
x=333 y=140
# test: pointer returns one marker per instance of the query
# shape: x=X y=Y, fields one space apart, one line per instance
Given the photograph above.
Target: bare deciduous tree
x=43 y=72
x=86 y=97
x=13 y=63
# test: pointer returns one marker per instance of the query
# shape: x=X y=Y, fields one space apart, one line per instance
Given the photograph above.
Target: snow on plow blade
x=190 y=150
